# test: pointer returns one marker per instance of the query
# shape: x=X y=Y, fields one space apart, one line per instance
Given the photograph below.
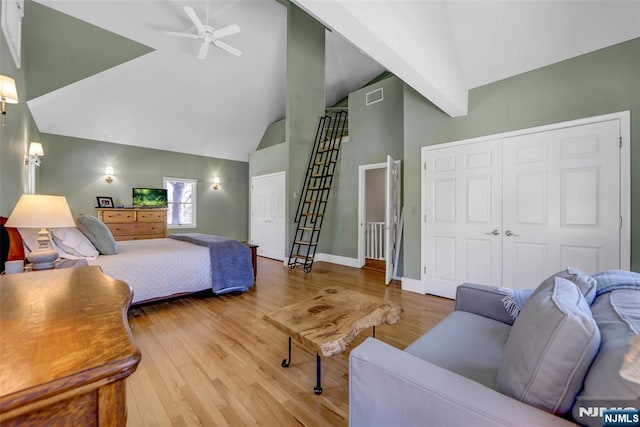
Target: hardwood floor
x=213 y=361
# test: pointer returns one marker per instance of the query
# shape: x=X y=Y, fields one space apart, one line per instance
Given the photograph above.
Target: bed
x=159 y=268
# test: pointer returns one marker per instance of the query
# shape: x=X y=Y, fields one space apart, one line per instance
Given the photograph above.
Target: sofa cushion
x=617 y=314
x=585 y=283
x=465 y=343
x=98 y=233
x=551 y=345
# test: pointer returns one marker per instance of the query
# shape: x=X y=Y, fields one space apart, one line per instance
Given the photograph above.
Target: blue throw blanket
x=514 y=300
x=231 y=267
x=612 y=280
x=607 y=281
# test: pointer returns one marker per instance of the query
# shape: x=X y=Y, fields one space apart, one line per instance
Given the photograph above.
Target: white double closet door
x=511 y=211
x=268 y=214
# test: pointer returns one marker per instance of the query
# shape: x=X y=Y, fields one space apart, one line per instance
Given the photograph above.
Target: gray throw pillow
x=617 y=314
x=585 y=283
x=98 y=234
x=550 y=348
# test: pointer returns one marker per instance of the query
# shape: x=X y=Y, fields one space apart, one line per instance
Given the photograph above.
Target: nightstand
x=254 y=258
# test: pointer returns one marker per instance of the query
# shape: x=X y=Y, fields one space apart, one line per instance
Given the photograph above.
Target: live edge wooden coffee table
x=328 y=322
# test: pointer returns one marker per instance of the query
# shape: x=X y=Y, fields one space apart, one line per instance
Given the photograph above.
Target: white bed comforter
x=158 y=268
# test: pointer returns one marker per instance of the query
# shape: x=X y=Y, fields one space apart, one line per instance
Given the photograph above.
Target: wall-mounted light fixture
x=109 y=172
x=8 y=93
x=33 y=161
x=216 y=182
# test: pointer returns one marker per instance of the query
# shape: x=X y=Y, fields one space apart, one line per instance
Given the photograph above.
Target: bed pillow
x=30 y=242
x=74 y=242
x=98 y=233
x=550 y=348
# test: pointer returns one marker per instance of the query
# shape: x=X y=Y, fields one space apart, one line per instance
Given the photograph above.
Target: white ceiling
x=220 y=106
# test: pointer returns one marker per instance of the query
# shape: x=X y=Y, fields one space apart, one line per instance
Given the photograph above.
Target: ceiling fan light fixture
x=208 y=34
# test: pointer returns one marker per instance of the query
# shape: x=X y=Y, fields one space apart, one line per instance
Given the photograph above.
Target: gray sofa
x=455 y=374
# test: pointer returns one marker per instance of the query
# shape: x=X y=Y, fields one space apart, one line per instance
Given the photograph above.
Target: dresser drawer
x=135 y=224
x=138 y=237
x=153 y=216
x=118 y=216
x=138 y=228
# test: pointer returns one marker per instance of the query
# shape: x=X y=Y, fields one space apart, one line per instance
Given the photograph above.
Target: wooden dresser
x=135 y=224
x=65 y=348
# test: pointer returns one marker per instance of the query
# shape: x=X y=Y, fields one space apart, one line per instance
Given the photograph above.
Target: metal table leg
x=318 y=388
x=286 y=362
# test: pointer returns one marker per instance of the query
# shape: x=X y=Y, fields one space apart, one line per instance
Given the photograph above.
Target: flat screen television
x=149 y=197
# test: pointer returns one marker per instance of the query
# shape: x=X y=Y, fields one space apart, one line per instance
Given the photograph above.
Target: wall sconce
x=109 y=172
x=216 y=182
x=8 y=93
x=33 y=161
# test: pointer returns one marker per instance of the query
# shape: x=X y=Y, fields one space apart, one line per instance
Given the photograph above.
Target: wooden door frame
x=362 y=169
x=624 y=118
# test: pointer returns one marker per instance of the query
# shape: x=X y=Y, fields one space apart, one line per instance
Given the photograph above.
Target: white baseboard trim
x=413 y=285
x=337 y=259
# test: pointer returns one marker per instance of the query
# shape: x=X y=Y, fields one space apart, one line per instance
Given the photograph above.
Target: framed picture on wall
x=104 y=202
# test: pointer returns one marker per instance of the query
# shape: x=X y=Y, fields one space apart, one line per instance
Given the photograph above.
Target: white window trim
x=195 y=201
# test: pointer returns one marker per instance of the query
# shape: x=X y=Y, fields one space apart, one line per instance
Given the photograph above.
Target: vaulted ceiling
x=105 y=70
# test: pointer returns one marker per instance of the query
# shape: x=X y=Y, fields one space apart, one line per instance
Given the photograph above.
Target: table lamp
x=41 y=211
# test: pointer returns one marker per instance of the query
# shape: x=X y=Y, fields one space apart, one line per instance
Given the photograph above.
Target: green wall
x=375 y=131
x=305 y=100
x=75 y=168
x=20 y=129
x=60 y=49
x=274 y=134
x=600 y=82
x=269 y=160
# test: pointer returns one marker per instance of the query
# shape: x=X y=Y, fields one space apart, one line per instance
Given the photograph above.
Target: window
x=181 y=195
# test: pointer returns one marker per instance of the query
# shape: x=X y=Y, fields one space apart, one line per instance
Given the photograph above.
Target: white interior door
x=463 y=217
x=268 y=214
x=561 y=199
x=392 y=215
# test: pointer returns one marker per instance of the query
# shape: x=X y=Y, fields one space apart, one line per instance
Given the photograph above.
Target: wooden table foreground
x=65 y=348
x=329 y=321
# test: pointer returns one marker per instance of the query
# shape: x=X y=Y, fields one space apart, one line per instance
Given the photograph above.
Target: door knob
x=510 y=233
x=494 y=232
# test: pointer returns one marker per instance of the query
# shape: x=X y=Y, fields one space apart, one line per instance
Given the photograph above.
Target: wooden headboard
x=11 y=247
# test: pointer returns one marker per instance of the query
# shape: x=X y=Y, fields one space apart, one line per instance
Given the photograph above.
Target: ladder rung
x=310 y=214
x=306 y=243
x=321 y=175
x=302 y=256
x=319 y=188
x=306 y=228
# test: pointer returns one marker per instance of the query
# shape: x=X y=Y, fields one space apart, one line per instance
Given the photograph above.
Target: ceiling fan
x=208 y=34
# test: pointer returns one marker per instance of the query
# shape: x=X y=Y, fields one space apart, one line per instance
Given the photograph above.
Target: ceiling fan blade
x=232 y=50
x=226 y=31
x=187 y=35
x=204 y=48
x=196 y=21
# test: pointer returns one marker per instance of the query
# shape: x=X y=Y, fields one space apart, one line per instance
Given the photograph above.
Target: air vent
x=374 y=96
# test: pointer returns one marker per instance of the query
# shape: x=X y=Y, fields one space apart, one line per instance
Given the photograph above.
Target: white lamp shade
x=35 y=148
x=109 y=170
x=8 y=91
x=41 y=211
x=216 y=180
